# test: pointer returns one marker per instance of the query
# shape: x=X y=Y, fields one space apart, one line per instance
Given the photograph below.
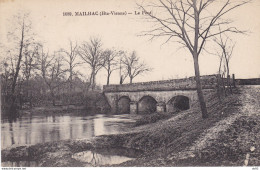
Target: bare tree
x=122 y=74
x=91 y=53
x=86 y=83
x=52 y=72
x=227 y=46
x=111 y=62
x=221 y=72
x=192 y=23
x=6 y=76
x=133 y=66
x=28 y=66
x=21 y=37
x=71 y=60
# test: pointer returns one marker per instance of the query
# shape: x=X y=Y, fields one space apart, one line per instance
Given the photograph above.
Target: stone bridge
x=160 y=96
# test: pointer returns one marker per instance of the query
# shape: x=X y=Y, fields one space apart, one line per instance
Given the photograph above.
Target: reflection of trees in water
x=53 y=119
x=84 y=127
x=94 y=160
x=55 y=134
x=20 y=164
x=11 y=132
x=88 y=128
x=42 y=131
x=71 y=137
x=29 y=134
x=97 y=159
x=15 y=133
x=36 y=129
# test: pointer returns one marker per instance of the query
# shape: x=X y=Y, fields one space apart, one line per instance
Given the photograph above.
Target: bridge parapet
x=207 y=82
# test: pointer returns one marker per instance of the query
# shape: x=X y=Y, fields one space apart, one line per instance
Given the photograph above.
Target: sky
x=122 y=32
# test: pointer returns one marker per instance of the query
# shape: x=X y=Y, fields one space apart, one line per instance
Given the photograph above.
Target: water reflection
x=38 y=129
x=109 y=156
x=19 y=164
x=96 y=159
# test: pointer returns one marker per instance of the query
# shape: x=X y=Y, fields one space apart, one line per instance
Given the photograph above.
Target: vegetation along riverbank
x=227 y=137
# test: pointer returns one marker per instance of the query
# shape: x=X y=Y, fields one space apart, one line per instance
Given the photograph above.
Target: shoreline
x=163 y=141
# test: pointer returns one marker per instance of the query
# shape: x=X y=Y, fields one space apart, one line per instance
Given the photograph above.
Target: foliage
x=32 y=76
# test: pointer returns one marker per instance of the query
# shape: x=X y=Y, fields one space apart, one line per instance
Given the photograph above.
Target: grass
x=231 y=147
x=155 y=140
x=161 y=137
x=152 y=118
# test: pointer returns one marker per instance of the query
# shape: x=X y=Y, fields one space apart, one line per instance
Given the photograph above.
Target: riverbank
x=54 y=110
x=185 y=139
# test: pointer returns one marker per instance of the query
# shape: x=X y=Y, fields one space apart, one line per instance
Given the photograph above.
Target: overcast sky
x=167 y=61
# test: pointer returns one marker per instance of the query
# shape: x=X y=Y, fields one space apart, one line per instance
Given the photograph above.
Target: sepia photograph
x=130 y=83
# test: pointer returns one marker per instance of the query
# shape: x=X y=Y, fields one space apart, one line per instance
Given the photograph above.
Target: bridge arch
x=147 y=104
x=178 y=103
x=123 y=105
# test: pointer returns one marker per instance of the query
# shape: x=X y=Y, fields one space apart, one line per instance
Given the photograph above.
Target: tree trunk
x=199 y=89
x=121 y=80
x=108 y=77
x=70 y=84
x=227 y=64
x=18 y=64
x=196 y=63
x=53 y=98
x=93 y=81
x=228 y=76
x=17 y=71
x=70 y=79
x=90 y=82
x=131 y=80
x=220 y=64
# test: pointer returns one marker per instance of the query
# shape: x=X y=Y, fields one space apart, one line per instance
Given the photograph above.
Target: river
x=29 y=130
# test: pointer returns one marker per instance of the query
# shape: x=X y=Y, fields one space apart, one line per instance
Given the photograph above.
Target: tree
x=20 y=37
x=111 y=62
x=71 y=59
x=192 y=23
x=51 y=68
x=133 y=66
x=91 y=53
x=122 y=72
x=226 y=47
x=28 y=65
x=6 y=78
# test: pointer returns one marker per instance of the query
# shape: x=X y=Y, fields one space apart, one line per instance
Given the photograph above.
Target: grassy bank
x=231 y=147
x=167 y=141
